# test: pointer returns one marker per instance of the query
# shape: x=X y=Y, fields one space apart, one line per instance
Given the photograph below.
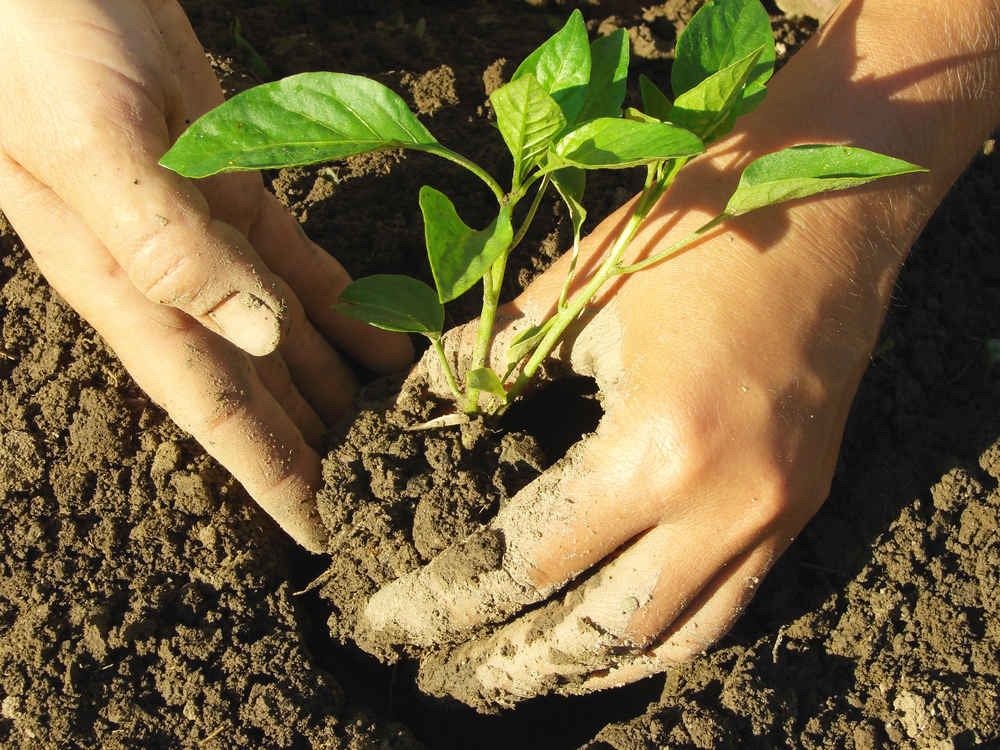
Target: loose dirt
x=146 y=602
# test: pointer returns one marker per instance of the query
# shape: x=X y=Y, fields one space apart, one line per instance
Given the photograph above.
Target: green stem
x=657 y=182
x=673 y=248
x=492 y=285
x=449 y=375
x=531 y=215
x=484 y=334
x=471 y=166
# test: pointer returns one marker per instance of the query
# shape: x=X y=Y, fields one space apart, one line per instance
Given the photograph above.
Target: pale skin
x=728 y=370
x=210 y=293
x=732 y=366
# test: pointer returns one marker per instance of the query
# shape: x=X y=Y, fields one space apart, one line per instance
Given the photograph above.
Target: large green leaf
x=801 y=171
x=562 y=66
x=608 y=70
x=704 y=110
x=459 y=255
x=304 y=119
x=609 y=143
x=395 y=303
x=719 y=34
x=529 y=120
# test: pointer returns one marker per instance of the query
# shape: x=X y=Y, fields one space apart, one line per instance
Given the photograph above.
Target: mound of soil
x=146 y=602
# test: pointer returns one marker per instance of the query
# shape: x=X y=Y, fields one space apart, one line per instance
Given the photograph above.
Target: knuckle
x=165 y=273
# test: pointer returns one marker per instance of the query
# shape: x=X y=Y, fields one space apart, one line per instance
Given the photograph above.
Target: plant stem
x=492 y=284
x=673 y=248
x=531 y=215
x=449 y=375
x=484 y=334
x=658 y=179
x=471 y=166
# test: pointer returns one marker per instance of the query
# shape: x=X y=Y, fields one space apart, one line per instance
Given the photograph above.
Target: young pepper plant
x=560 y=115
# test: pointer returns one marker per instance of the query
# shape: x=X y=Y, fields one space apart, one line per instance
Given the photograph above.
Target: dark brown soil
x=146 y=602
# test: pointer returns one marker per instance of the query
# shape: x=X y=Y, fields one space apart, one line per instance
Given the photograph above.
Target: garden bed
x=146 y=602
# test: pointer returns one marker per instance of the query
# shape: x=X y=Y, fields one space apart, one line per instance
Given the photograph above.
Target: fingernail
x=249 y=323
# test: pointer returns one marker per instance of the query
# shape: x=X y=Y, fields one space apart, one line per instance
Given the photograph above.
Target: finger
x=597 y=635
x=318 y=372
x=495 y=573
x=154 y=223
x=317 y=279
x=275 y=376
x=208 y=386
x=702 y=624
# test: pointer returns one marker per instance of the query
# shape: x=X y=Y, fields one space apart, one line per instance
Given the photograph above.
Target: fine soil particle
x=146 y=602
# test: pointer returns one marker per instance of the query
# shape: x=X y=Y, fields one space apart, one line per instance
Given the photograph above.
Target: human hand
x=726 y=376
x=726 y=372
x=209 y=292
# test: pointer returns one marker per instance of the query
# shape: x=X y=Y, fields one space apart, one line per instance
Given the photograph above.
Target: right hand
x=727 y=374
x=209 y=292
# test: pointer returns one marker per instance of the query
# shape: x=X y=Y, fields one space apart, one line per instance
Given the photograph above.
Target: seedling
x=560 y=115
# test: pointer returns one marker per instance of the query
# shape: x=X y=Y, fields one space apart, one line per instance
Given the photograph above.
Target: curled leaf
x=459 y=255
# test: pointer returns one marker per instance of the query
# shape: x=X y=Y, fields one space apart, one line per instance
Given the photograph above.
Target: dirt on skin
x=146 y=602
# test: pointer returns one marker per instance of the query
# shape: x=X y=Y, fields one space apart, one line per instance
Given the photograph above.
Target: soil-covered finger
x=274 y=375
x=317 y=279
x=594 y=635
x=208 y=386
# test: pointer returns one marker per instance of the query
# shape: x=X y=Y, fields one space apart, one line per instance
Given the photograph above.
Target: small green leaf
x=631 y=113
x=304 y=119
x=459 y=255
x=801 y=171
x=571 y=182
x=251 y=57
x=655 y=103
x=608 y=143
x=608 y=69
x=484 y=379
x=719 y=34
x=705 y=108
x=395 y=303
x=562 y=66
x=524 y=343
x=529 y=120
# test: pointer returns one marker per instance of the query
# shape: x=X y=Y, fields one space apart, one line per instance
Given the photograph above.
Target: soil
x=146 y=602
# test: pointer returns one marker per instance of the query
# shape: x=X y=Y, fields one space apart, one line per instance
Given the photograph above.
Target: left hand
x=210 y=293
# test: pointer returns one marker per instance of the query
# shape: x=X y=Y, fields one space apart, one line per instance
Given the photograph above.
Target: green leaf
x=719 y=34
x=304 y=119
x=608 y=143
x=655 y=103
x=801 y=171
x=631 y=113
x=524 y=343
x=250 y=56
x=484 y=379
x=529 y=120
x=395 y=303
x=571 y=182
x=562 y=66
x=705 y=108
x=459 y=255
x=608 y=69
